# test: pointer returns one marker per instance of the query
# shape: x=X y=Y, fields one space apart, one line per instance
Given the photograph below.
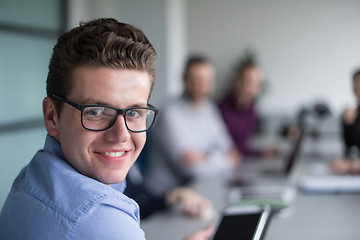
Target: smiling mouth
x=114 y=154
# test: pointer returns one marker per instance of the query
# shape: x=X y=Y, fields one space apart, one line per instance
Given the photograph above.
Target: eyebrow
x=91 y=101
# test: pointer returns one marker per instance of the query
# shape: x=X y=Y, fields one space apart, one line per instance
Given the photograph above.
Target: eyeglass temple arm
x=77 y=106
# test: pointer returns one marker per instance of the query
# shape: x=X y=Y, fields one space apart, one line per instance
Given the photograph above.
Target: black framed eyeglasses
x=102 y=117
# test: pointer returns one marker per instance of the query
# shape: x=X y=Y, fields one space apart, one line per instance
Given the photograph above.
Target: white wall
x=308 y=49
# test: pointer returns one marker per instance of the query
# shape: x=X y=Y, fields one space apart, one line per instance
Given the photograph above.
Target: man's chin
x=111 y=180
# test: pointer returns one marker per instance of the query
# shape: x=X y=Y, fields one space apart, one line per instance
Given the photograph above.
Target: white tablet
x=242 y=223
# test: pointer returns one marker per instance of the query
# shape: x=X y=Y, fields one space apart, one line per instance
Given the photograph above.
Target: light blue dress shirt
x=181 y=128
x=51 y=200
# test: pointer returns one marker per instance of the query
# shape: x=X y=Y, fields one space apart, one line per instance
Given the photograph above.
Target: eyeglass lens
x=99 y=118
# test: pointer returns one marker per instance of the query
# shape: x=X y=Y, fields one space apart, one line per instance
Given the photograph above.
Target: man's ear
x=50 y=117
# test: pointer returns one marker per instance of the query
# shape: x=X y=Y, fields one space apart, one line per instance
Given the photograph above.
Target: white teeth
x=114 y=154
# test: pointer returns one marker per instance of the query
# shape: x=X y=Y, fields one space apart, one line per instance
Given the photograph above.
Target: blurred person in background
x=239 y=112
x=350 y=126
x=190 y=140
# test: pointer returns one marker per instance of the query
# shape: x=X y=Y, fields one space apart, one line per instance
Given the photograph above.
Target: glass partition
x=28 y=31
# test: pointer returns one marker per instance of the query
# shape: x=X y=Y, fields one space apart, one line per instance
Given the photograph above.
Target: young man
x=96 y=114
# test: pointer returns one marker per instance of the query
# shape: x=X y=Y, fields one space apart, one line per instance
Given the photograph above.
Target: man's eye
x=134 y=113
x=94 y=111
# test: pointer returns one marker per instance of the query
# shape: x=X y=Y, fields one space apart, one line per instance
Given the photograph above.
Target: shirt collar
x=52 y=146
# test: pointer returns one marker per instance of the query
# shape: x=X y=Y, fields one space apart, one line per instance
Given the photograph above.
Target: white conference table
x=311 y=216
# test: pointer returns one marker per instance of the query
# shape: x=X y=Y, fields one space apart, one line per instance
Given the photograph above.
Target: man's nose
x=118 y=131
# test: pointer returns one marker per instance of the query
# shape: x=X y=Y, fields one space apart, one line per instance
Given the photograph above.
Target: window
x=28 y=32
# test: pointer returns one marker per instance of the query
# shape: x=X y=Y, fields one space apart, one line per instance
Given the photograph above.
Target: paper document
x=330 y=184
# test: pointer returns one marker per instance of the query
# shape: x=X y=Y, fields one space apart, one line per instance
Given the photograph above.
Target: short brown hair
x=103 y=42
x=194 y=60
